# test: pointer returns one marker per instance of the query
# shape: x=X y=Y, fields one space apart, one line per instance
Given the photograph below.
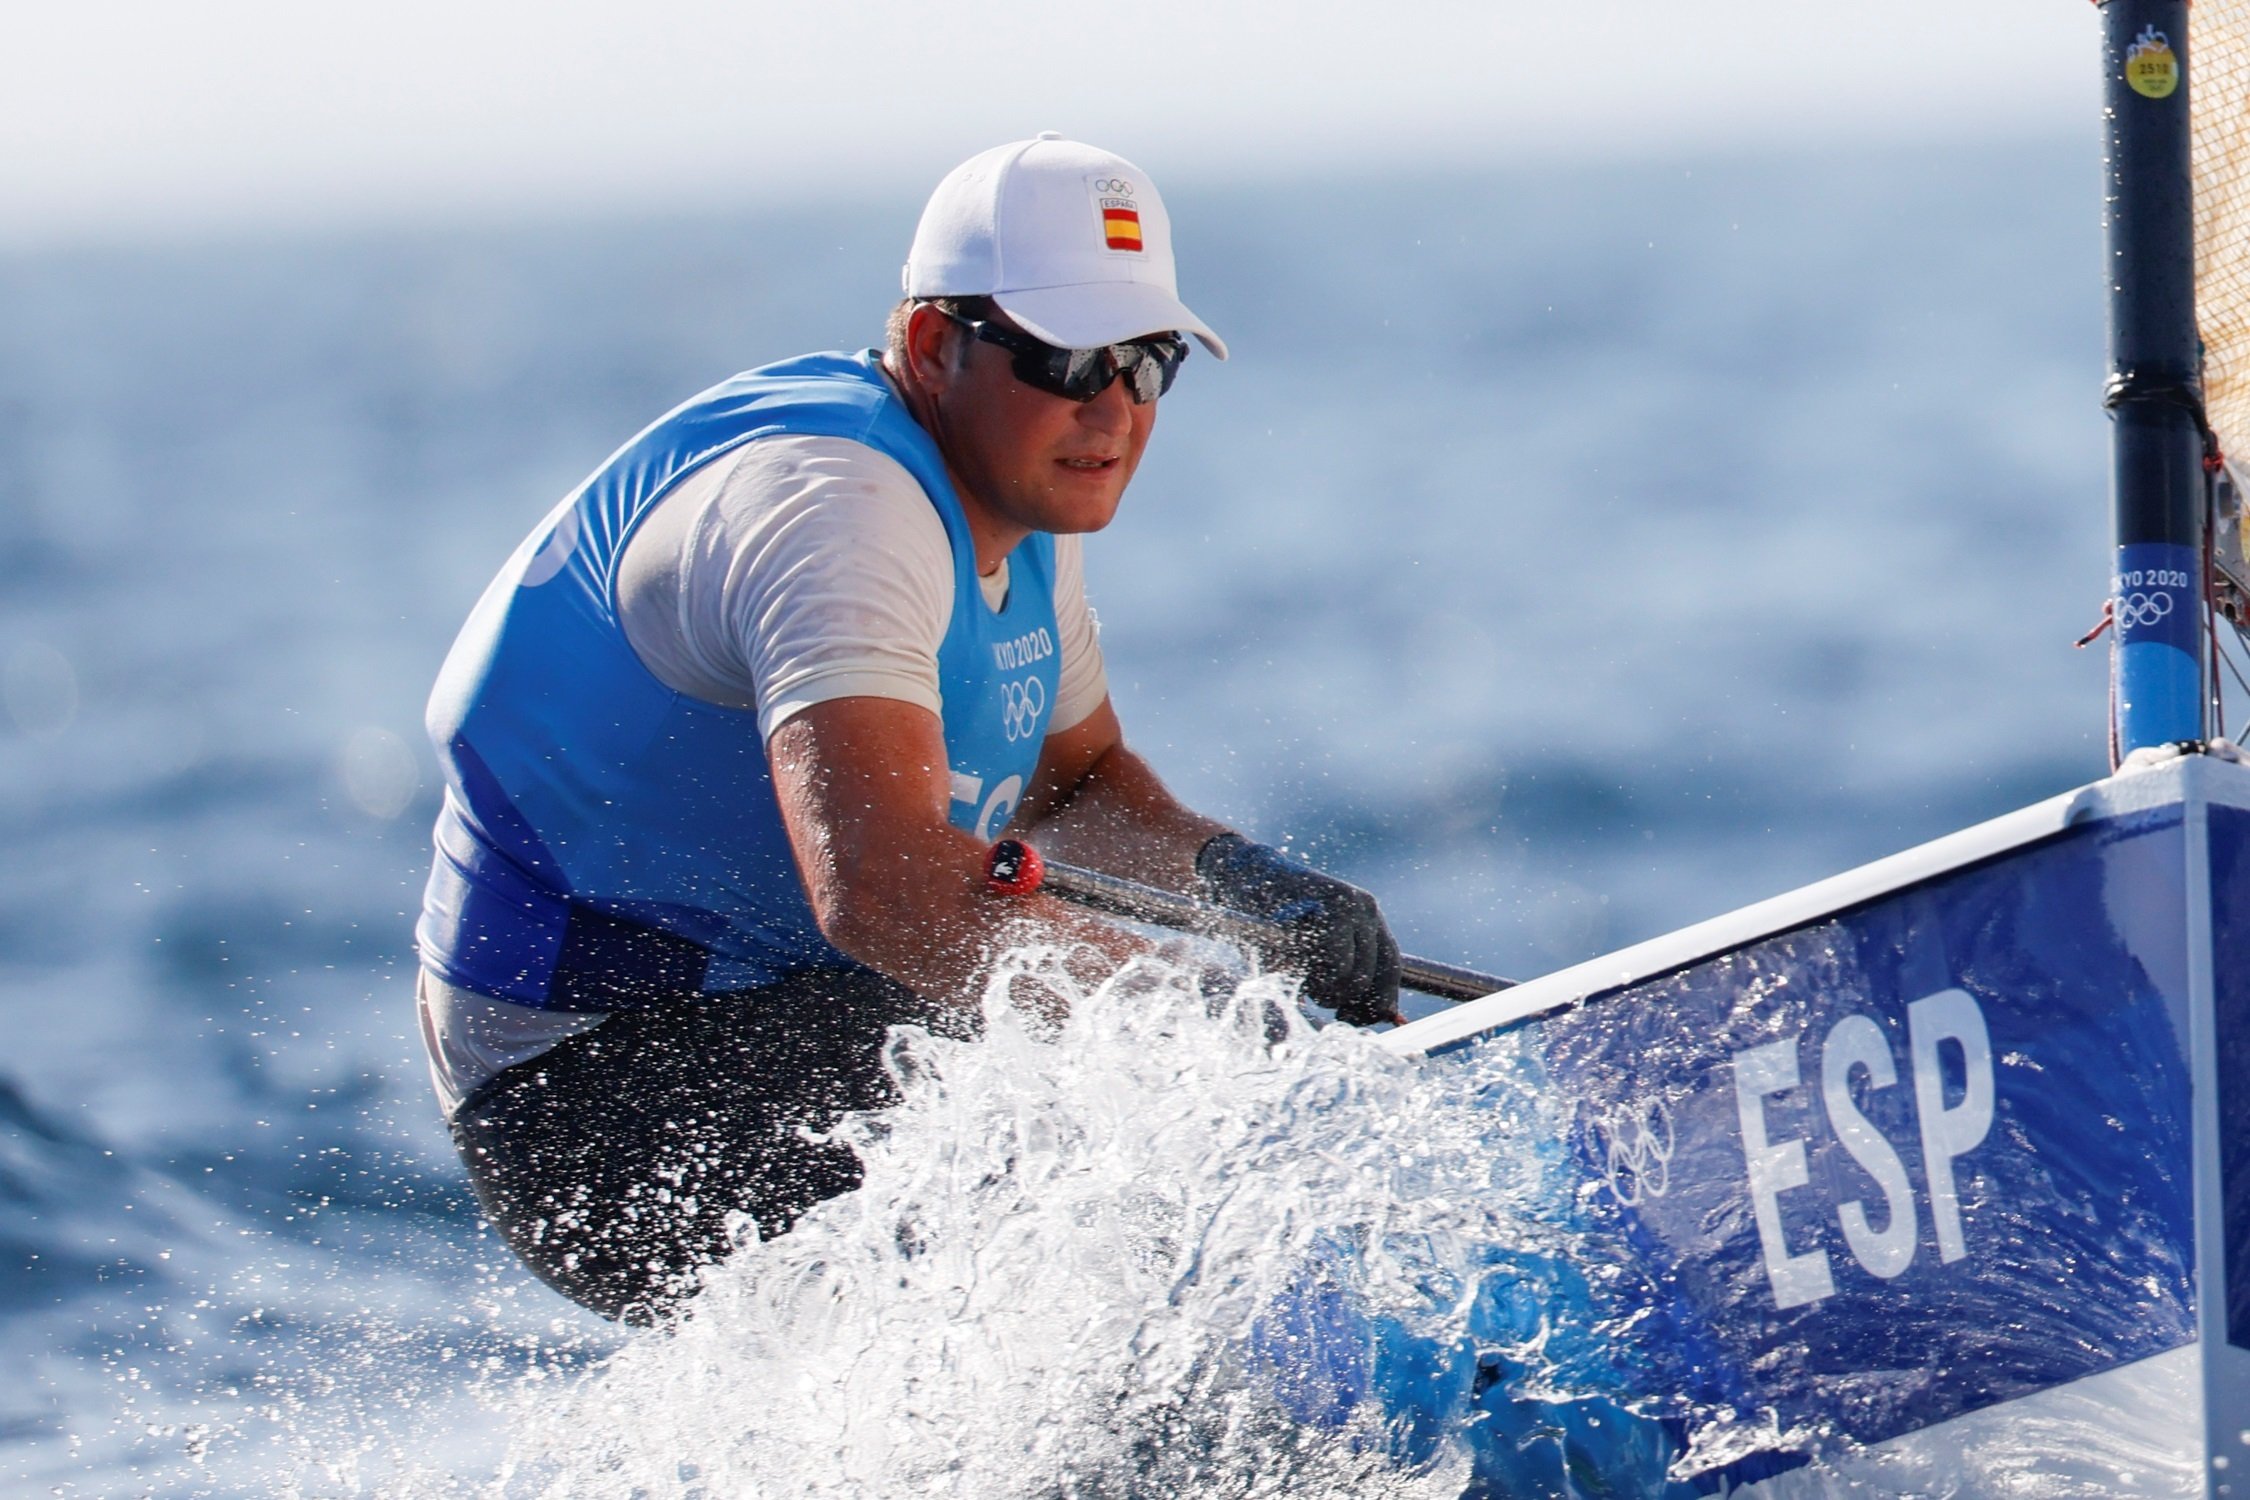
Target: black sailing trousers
x=610 y=1162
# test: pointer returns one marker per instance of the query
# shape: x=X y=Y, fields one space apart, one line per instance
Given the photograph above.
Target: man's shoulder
x=831 y=394
x=851 y=366
x=839 y=483
x=833 y=380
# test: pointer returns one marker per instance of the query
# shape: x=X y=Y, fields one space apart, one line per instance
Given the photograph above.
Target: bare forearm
x=862 y=789
x=1121 y=818
x=925 y=917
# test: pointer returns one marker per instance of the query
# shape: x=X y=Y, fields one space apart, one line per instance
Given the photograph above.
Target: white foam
x=1052 y=1278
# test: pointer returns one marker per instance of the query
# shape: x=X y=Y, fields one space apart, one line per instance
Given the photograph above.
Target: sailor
x=728 y=738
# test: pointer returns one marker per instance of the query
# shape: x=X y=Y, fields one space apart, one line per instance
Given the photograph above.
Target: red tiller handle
x=1014 y=868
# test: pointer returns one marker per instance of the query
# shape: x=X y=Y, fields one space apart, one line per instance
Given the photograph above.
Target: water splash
x=1092 y=1258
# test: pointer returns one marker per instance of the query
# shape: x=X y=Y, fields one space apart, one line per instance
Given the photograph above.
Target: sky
x=129 y=119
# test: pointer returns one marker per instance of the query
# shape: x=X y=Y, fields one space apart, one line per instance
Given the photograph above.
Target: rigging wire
x=2242 y=681
x=2215 y=719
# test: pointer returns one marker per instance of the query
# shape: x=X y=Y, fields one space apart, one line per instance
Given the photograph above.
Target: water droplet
x=379 y=772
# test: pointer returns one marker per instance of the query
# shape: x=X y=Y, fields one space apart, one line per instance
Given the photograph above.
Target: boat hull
x=1944 y=1157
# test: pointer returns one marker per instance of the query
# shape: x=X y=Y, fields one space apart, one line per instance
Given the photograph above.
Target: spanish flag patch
x=1121 y=225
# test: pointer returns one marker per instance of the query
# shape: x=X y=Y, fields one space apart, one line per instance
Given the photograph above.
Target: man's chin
x=1080 y=516
x=1097 y=522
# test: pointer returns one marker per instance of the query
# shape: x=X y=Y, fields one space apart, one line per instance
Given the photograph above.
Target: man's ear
x=935 y=344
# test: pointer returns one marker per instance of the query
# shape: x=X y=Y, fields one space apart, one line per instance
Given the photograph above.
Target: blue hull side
x=1908 y=1147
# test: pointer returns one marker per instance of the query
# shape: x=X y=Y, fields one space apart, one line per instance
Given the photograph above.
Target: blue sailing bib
x=607 y=841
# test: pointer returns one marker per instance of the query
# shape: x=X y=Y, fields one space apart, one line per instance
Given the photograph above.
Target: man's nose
x=1110 y=413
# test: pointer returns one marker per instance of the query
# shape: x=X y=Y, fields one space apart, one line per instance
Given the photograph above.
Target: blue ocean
x=1567 y=555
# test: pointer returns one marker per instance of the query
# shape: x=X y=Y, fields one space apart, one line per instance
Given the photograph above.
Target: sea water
x=1565 y=555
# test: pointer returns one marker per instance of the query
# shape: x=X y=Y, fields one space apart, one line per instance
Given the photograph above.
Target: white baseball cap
x=1071 y=242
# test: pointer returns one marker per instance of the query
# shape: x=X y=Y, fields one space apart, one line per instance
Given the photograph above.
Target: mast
x=2155 y=393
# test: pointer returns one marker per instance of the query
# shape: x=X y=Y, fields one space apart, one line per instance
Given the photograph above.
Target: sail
x=2219 y=104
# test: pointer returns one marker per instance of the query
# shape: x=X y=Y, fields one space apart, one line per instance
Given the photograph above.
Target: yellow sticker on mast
x=2151 y=66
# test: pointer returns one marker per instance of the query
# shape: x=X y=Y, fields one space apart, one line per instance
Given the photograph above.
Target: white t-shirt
x=788 y=572
x=799 y=569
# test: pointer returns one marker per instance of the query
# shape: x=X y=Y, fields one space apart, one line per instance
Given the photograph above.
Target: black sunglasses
x=1148 y=365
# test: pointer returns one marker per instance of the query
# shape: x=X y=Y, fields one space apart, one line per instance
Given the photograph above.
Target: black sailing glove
x=1336 y=934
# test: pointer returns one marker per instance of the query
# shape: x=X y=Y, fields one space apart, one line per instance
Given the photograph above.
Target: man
x=728 y=739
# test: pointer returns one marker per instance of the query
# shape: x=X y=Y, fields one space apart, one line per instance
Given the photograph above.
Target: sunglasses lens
x=1086 y=373
x=1145 y=379
x=1148 y=365
x=1151 y=366
x=1152 y=375
x=1073 y=374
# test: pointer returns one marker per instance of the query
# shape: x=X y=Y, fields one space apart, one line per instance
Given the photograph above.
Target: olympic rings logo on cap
x=1021 y=705
x=2143 y=610
x=1116 y=185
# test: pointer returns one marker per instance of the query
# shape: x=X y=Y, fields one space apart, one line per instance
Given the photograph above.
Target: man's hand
x=1337 y=935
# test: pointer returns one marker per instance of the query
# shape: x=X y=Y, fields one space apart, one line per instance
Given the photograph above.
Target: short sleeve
x=1084 y=680
x=797 y=570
